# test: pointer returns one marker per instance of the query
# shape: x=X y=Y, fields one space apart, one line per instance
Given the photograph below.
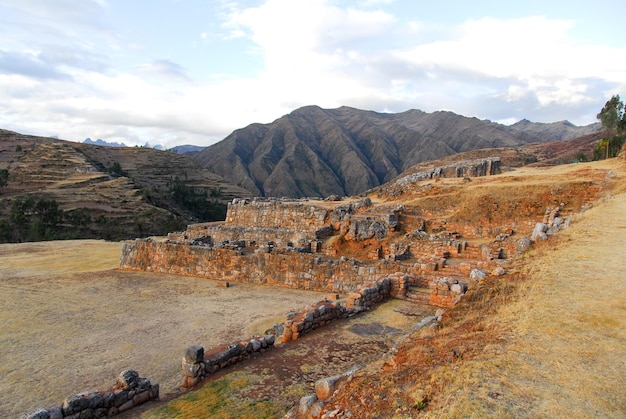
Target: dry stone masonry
x=468 y=168
x=129 y=391
x=254 y=245
x=198 y=364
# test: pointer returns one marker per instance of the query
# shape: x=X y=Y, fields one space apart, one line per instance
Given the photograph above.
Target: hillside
x=61 y=189
x=545 y=340
x=345 y=151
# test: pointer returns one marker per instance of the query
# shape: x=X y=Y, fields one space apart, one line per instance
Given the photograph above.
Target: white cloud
x=313 y=52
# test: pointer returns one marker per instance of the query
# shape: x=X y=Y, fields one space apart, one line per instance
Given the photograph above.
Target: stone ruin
x=407 y=254
x=130 y=391
x=464 y=169
x=288 y=243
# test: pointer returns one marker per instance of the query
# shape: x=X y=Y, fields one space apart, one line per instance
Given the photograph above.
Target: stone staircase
x=418 y=295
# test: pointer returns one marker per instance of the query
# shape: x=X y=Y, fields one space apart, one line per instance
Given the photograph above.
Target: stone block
x=223 y=284
x=94 y=401
x=154 y=391
x=194 y=354
x=127 y=379
x=256 y=345
x=192 y=370
x=305 y=404
x=55 y=412
x=39 y=413
x=126 y=406
x=87 y=414
x=325 y=387
x=141 y=398
x=74 y=404
x=143 y=384
x=270 y=339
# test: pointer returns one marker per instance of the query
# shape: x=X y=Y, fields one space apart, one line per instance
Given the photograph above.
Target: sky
x=175 y=72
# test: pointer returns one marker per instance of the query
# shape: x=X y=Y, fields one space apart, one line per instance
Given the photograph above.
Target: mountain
x=345 y=151
x=562 y=130
x=63 y=189
x=186 y=149
x=103 y=143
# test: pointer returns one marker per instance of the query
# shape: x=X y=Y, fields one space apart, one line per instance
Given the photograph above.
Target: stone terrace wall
x=276 y=213
x=468 y=168
x=292 y=270
x=223 y=233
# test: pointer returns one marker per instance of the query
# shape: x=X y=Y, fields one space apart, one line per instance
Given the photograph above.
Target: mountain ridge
x=344 y=151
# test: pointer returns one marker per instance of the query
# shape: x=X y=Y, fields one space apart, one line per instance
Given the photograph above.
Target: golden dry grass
x=562 y=347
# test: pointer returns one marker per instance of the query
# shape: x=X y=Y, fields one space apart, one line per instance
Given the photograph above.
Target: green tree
x=613 y=122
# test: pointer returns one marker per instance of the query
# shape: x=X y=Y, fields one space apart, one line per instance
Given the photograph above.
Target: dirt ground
x=71 y=322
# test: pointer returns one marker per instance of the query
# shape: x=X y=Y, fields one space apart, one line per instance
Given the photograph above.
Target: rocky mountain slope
x=345 y=151
x=61 y=189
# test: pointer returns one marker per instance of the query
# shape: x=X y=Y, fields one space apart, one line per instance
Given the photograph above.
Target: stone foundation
x=130 y=391
x=197 y=365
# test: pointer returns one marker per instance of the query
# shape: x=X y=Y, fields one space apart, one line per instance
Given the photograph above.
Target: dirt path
x=69 y=322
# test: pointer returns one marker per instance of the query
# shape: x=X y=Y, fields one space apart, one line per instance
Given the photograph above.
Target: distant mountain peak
x=103 y=143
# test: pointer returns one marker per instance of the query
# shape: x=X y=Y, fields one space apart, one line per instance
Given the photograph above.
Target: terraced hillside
x=110 y=192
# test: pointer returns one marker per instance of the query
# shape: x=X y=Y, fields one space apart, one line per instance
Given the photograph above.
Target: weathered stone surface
x=456 y=288
x=473 y=168
x=55 y=412
x=523 y=244
x=478 y=274
x=141 y=398
x=192 y=370
x=94 y=401
x=256 y=345
x=325 y=387
x=87 y=414
x=539 y=232
x=108 y=399
x=194 y=354
x=305 y=404
x=126 y=406
x=121 y=397
x=127 y=379
x=74 y=404
x=39 y=413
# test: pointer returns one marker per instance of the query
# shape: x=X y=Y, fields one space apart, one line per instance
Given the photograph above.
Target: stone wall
x=468 y=168
x=288 y=269
x=129 y=391
x=276 y=213
x=281 y=237
x=198 y=364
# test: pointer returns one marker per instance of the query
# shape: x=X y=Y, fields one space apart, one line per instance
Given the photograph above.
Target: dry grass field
x=71 y=322
x=561 y=350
